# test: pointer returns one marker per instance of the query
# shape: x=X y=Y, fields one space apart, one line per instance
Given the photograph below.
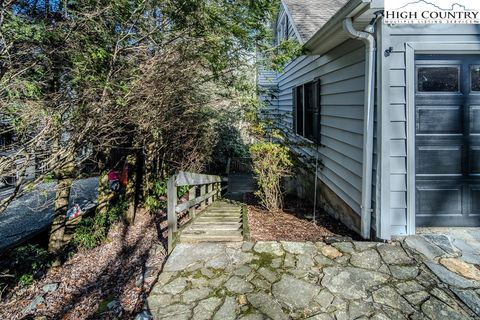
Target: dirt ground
x=293 y=223
x=108 y=282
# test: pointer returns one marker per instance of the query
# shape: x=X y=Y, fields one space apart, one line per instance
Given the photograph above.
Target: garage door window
x=475 y=78
x=438 y=79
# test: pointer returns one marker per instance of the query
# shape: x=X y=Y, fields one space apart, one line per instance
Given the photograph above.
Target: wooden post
x=192 y=194
x=209 y=189
x=171 y=214
x=219 y=190
x=203 y=191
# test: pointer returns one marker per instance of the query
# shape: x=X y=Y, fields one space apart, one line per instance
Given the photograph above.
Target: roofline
x=292 y=21
x=350 y=9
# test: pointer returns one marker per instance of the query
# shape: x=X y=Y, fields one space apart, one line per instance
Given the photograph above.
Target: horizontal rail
x=209 y=188
x=195 y=202
x=195 y=179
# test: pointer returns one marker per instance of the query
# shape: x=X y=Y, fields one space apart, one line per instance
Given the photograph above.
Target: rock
x=470 y=298
x=218 y=281
x=299 y=248
x=227 y=310
x=468 y=245
x=471 y=258
x=368 y=259
x=242 y=300
x=324 y=298
x=322 y=316
x=323 y=261
x=193 y=295
x=424 y=247
x=144 y=315
x=205 y=308
x=462 y=268
x=388 y=296
x=267 y=274
x=394 y=255
x=265 y=304
x=33 y=305
x=442 y=241
x=289 y=261
x=356 y=309
x=207 y=272
x=243 y=271
x=345 y=247
x=335 y=239
x=364 y=245
x=404 y=272
x=51 y=287
x=445 y=298
x=114 y=304
x=417 y=298
x=351 y=283
x=253 y=316
x=276 y=263
x=247 y=246
x=409 y=287
x=451 y=278
x=331 y=252
x=304 y=262
x=296 y=294
x=238 y=285
x=435 y=309
x=174 y=311
x=261 y=284
x=159 y=301
x=273 y=248
x=176 y=286
x=186 y=255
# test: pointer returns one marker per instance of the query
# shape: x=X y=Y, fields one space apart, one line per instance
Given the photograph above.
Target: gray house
x=392 y=110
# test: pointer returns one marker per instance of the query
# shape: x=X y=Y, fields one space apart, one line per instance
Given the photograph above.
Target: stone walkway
x=285 y=280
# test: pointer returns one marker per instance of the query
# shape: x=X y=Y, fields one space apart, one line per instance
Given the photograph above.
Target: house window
x=306 y=110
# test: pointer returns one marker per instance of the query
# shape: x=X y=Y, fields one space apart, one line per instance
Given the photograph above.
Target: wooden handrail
x=210 y=190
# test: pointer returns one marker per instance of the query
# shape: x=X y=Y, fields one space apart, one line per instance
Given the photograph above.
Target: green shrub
x=153 y=202
x=270 y=163
x=23 y=265
x=93 y=231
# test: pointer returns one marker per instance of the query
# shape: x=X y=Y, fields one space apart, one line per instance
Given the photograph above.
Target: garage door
x=447 y=140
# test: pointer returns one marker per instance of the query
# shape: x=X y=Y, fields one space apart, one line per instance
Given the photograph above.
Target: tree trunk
x=56 y=241
x=132 y=193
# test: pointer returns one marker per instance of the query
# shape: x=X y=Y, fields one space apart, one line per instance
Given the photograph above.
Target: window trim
x=317 y=136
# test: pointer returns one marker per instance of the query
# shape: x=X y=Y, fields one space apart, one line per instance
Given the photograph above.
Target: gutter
x=351 y=8
x=368 y=136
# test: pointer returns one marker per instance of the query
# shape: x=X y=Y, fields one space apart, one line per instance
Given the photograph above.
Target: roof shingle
x=310 y=15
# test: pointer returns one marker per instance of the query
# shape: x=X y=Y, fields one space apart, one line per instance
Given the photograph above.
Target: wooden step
x=211 y=236
x=215 y=226
x=220 y=214
x=219 y=219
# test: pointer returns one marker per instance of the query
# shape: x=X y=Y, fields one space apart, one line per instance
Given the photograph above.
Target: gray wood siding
x=341 y=72
x=397 y=126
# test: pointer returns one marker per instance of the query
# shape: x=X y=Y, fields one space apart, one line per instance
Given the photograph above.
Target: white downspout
x=369 y=105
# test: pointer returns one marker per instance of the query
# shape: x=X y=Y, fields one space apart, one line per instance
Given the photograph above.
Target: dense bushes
x=270 y=163
x=92 y=231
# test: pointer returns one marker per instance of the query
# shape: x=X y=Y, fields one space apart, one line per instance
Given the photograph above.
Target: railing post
x=203 y=192
x=209 y=189
x=192 y=194
x=171 y=214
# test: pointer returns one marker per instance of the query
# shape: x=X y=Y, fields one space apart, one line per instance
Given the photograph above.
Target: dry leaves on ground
x=121 y=270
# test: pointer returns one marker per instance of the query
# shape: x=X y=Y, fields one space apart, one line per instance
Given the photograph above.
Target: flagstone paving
x=286 y=280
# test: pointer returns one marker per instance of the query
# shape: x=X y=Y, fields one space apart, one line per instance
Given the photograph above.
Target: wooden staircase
x=220 y=222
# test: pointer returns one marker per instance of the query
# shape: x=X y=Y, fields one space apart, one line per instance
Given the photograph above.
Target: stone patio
x=285 y=280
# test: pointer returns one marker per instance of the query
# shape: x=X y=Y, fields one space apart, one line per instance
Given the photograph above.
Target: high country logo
x=428 y=12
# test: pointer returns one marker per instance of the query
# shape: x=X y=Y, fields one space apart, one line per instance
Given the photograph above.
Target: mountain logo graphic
x=452 y=7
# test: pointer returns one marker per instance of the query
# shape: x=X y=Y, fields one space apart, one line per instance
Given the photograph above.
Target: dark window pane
x=438 y=79
x=475 y=78
x=300 y=110
x=309 y=109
